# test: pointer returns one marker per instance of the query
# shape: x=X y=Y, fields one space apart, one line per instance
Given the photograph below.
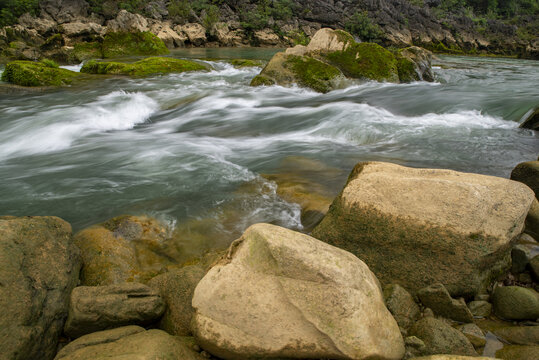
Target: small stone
x=482 y=297
x=438 y=299
x=526 y=239
x=440 y=338
x=401 y=305
x=474 y=334
x=525 y=278
x=414 y=342
x=516 y=303
x=479 y=308
x=534 y=267
x=428 y=313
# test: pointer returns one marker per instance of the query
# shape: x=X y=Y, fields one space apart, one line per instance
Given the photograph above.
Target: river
x=191 y=148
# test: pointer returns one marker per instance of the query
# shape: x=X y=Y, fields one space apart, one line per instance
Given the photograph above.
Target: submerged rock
x=516 y=303
x=95 y=308
x=132 y=43
x=39 y=268
x=437 y=298
x=417 y=227
x=531 y=120
x=145 y=67
x=130 y=342
x=333 y=55
x=281 y=294
x=176 y=287
x=125 y=249
x=31 y=73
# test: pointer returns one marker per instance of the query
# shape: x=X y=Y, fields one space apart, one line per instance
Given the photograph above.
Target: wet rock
x=125 y=249
x=474 y=334
x=130 y=342
x=531 y=120
x=401 y=305
x=279 y=293
x=480 y=308
x=145 y=67
x=516 y=303
x=521 y=254
x=518 y=352
x=437 y=298
x=440 y=338
x=402 y=222
x=127 y=22
x=519 y=335
x=532 y=220
x=31 y=73
x=135 y=43
x=414 y=64
x=527 y=173
x=40 y=267
x=95 y=308
x=176 y=288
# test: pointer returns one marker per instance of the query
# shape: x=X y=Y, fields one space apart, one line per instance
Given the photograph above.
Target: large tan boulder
x=127 y=22
x=170 y=37
x=266 y=37
x=39 y=266
x=79 y=29
x=418 y=227
x=196 y=33
x=283 y=294
x=326 y=40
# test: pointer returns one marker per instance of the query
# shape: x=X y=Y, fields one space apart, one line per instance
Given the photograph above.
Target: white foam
x=75 y=68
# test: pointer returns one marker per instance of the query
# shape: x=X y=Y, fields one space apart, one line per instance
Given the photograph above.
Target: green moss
x=345 y=37
x=50 y=63
x=29 y=73
x=262 y=80
x=366 y=61
x=241 y=63
x=139 y=43
x=149 y=66
x=442 y=49
x=54 y=41
x=87 y=50
x=406 y=70
x=312 y=73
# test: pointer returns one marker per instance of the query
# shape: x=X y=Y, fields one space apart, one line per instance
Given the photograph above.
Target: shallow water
x=193 y=146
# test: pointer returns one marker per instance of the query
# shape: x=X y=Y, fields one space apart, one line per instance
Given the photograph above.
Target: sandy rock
x=480 y=308
x=474 y=334
x=440 y=338
x=79 y=28
x=266 y=37
x=417 y=227
x=228 y=37
x=298 y=50
x=196 y=33
x=176 y=287
x=326 y=40
x=170 y=37
x=127 y=22
x=42 y=25
x=279 y=293
x=516 y=303
x=96 y=308
x=39 y=268
x=130 y=342
x=401 y=305
x=437 y=298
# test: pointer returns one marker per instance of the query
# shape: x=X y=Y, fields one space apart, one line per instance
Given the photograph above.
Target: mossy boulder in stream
x=149 y=66
x=132 y=43
x=31 y=73
x=333 y=55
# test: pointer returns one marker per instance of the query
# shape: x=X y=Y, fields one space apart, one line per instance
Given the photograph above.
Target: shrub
x=10 y=10
x=362 y=26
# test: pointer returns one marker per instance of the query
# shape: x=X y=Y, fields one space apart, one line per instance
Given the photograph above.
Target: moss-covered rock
x=149 y=66
x=31 y=73
x=262 y=80
x=414 y=64
x=516 y=303
x=86 y=50
x=243 y=63
x=132 y=43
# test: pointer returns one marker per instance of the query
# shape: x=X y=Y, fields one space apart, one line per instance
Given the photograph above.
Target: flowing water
x=191 y=147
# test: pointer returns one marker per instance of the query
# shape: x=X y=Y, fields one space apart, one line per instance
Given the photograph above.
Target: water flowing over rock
x=40 y=267
x=417 y=227
x=129 y=342
x=95 y=308
x=279 y=293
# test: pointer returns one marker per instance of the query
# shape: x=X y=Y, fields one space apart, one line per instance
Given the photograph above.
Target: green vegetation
x=366 y=61
x=87 y=50
x=312 y=73
x=44 y=73
x=262 y=80
x=10 y=10
x=148 y=66
x=141 y=43
x=406 y=70
x=242 y=63
x=362 y=26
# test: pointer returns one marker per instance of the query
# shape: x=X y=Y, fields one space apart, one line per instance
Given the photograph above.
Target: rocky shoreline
x=405 y=263
x=68 y=32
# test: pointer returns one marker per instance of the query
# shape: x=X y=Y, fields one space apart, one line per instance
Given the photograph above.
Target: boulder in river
x=132 y=43
x=401 y=305
x=527 y=173
x=145 y=67
x=282 y=294
x=32 y=73
x=95 y=308
x=129 y=342
x=333 y=55
x=125 y=249
x=417 y=227
x=39 y=267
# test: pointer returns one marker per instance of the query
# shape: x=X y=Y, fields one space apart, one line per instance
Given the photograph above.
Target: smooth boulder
x=96 y=308
x=516 y=303
x=129 y=342
x=39 y=267
x=282 y=294
x=441 y=338
x=527 y=173
x=417 y=227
